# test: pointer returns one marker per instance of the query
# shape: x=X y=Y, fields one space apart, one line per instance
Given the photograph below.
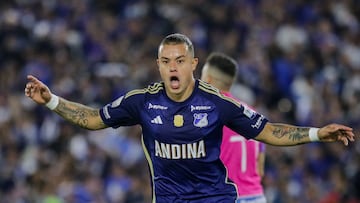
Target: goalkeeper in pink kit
x=244 y=159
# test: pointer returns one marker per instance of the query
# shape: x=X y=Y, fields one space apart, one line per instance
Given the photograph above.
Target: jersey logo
x=194 y=150
x=156 y=106
x=178 y=120
x=200 y=120
x=157 y=120
x=258 y=122
x=199 y=108
x=249 y=112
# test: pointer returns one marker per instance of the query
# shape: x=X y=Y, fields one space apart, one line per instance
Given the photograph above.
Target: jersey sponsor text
x=180 y=151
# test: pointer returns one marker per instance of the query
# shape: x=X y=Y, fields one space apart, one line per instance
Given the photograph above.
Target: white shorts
x=252 y=199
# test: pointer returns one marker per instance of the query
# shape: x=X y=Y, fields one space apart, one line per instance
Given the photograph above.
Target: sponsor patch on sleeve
x=249 y=112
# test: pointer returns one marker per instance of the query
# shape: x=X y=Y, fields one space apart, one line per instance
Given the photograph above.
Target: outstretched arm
x=81 y=115
x=288 y=135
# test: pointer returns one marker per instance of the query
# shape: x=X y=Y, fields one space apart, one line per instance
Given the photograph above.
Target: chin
x=176 y=91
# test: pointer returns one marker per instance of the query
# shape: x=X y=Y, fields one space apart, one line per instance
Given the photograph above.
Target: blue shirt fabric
x=182 y=140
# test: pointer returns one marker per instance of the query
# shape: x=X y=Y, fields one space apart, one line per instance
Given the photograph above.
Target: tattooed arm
x=288 y=135
x=76 y=113
x=282 y=134
x=81 y=115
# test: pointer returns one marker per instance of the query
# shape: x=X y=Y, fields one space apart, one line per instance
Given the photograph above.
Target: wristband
x=54 y=101
x=313 y=134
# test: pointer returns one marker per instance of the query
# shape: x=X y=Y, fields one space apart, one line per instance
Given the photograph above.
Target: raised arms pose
x=182 y=121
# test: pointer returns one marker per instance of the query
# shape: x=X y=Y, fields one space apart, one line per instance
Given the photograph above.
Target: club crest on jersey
x=200 y=120
x=178 y=120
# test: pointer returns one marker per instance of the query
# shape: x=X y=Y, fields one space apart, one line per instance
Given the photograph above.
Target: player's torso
x=180 y=131
x=182 y=142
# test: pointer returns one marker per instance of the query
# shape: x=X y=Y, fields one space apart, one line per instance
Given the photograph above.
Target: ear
x=194 y=63
x=157 y=62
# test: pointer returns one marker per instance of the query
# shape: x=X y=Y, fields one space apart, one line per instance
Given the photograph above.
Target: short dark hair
x=178 y=38
x=223 y=63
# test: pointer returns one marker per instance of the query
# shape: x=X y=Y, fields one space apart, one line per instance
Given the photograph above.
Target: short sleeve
x=121 y=112
x=243 y=120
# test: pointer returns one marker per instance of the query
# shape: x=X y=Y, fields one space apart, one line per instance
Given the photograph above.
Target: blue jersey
x=182 y=140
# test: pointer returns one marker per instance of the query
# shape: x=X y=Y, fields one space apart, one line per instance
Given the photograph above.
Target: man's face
x=176 y=66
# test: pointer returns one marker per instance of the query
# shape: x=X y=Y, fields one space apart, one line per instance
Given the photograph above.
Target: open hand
x=37 y=91
x=336 y=132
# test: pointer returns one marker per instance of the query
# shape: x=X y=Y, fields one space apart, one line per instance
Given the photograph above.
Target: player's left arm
x=288 y=135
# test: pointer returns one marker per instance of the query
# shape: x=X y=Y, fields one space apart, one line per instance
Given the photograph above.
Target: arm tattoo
x=292 y=133
x=76 y=113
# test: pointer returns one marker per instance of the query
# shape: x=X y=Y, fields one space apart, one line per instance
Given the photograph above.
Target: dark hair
x=223 y=63
x=178 y=38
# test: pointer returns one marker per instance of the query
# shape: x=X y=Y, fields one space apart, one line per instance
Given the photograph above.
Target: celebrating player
x=182 y=121
x=243 y=158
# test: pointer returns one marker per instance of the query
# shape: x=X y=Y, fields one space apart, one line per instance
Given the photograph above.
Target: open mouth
x=174 y=82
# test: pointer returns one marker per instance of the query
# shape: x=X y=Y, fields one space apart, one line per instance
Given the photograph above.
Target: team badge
x=200 y=120
x=178 y=120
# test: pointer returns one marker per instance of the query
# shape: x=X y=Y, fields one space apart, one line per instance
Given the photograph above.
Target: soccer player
x=182 y=120
x=243 y=158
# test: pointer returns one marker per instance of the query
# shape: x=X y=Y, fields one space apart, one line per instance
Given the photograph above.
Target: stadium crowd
x=299 y=63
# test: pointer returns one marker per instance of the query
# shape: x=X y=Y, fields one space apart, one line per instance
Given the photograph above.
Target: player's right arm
x=81 y=115
x=78 y=114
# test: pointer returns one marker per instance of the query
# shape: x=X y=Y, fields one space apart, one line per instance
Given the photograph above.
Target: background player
x=182 y=121
x=243 y=158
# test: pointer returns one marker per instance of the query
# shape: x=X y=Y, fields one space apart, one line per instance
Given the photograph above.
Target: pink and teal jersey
x=240 y=158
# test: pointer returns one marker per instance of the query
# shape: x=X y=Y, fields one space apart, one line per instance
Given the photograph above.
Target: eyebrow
x=182 y=56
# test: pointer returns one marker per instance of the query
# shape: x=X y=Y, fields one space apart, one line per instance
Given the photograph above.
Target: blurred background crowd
x=299 y=63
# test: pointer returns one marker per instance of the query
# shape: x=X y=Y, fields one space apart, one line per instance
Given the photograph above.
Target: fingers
x=343 y=133
x=33 y=79
x=339 y=127
x=31 y=86
x=345 y=141
x=351 y=138
x=345 y=128
x=346 y=136
x=30 y=89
